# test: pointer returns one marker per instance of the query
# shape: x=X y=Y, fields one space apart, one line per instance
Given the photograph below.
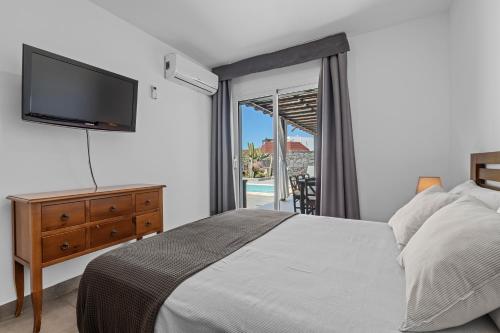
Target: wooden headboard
x=479 y=171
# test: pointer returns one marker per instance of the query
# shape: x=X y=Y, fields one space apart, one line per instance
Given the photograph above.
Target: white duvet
x=310 y=274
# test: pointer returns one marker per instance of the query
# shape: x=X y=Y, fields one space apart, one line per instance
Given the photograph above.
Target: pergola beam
x=308 y=118
x=299 y=110
x=298 y=102
x=298 y=97
x=258 y=107
x=309 y=130
x=294 y=112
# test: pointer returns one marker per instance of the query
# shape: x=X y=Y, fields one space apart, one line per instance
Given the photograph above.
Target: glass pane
x=257 y=151
x=294 y=164
x=297 y=113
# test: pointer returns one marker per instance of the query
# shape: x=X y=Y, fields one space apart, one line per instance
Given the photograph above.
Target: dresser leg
x=36 y=298
x=19 y=280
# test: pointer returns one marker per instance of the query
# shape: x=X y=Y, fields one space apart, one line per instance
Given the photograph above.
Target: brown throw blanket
x=123 y=290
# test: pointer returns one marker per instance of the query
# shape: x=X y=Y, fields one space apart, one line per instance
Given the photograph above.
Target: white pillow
x=452 y=267
x=409 y=218
x=490 y=197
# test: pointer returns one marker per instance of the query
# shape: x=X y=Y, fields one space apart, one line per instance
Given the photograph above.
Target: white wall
x=170 y=146
x=281 y=78
x=399 y=86
x=399 y=80
x=475 y=84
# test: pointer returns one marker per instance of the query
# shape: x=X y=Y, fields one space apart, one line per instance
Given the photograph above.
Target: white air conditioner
x=187 y=73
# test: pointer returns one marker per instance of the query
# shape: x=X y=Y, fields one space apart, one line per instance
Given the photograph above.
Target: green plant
x=255 y=156
x=255 y=153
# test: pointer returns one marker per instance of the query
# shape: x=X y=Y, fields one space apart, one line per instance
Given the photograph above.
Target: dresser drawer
x=101 y=209
x=109 y=232
x=146 y=201
x=63 y=244
x=63 y=215
x=147 y=223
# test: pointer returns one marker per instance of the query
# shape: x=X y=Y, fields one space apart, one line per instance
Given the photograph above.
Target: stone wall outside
x=297 y=162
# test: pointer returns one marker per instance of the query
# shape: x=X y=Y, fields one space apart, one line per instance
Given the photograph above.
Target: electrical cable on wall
x=90 y=161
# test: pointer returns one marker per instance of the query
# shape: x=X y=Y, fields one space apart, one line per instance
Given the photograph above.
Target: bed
x=343 y=277
x=307 y=274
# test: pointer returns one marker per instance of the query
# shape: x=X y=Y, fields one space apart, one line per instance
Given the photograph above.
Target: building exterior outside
x=307 y=141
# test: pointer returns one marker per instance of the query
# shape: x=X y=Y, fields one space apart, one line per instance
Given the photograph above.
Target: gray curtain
x=336 y=180
x=283 y=172
x=221 y=165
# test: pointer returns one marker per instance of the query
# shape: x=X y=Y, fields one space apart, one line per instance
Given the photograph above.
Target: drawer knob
x=64 y=217
x=65 y=246
x=114 y=232
x=147 y=202
x=112 y=208
x=147 y=223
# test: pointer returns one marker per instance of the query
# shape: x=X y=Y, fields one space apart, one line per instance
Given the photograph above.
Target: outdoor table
x=302 y=187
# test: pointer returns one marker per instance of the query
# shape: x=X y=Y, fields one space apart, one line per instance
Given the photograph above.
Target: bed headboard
x=479 y=171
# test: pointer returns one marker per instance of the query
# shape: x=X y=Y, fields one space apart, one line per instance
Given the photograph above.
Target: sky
x=256 y=126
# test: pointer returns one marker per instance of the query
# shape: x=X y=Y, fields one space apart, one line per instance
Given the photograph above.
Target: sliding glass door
x=257 y=170
x=276 y=145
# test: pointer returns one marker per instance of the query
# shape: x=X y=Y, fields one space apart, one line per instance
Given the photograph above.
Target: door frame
x=236 y=124
x=237 y=132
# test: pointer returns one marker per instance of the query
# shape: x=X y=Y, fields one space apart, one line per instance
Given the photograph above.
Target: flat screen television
x=61 y=91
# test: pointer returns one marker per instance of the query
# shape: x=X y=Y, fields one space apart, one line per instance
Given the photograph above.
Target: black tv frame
x=26 y=92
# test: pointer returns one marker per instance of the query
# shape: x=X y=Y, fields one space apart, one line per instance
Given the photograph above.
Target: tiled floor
x=267 y=202
x=58 y=316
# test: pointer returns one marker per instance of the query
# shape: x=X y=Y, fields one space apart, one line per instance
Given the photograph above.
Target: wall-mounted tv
x=61 y=91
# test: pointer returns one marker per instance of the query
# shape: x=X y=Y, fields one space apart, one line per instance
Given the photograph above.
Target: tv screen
x=62 y=91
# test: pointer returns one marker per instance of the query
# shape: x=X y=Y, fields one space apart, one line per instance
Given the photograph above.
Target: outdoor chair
x=295 y=193
x=310 y=196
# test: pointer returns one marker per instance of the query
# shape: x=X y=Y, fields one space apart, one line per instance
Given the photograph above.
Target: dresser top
x=81 y=193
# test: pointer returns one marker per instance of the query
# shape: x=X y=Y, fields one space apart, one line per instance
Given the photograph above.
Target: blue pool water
x=264 y=188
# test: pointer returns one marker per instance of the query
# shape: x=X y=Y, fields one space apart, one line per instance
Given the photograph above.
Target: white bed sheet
x=310 y=274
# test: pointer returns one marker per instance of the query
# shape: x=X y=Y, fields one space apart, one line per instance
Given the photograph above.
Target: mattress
x=310 y=274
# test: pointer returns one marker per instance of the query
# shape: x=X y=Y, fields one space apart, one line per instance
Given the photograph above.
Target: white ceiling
x=223 y=31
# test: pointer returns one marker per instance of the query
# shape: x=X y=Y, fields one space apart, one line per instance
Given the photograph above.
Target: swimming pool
x=260 y=188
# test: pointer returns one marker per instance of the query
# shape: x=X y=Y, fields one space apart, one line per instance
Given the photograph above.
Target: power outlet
x=154 y=92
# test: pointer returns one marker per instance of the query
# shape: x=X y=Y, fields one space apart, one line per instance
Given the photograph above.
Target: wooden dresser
x=49 y=228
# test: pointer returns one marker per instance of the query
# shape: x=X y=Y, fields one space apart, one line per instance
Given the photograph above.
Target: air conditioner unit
x=187 y=73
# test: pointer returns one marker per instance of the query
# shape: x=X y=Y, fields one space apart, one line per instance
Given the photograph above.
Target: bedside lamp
x=426 y=182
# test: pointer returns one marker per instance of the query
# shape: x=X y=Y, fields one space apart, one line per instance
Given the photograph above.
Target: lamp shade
x=426 y=182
